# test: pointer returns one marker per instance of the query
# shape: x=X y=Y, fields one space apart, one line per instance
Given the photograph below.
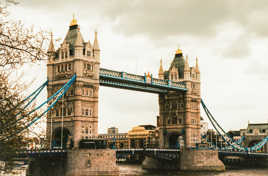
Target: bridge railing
x=141 y=79
x=110 y=73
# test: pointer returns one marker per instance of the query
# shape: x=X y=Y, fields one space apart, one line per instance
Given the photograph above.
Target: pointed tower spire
x=74 y=21
x=161 y=67
x=161 y=71
x=79 y=40
x=89 y=44
x=96 y=43
x=196 y=66
x=51 y=48
x=186 y=66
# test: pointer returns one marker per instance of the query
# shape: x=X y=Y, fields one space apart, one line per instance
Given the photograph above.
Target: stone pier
x=190 y=160
x=87 y=162
x=200 y=160
x=78 y=162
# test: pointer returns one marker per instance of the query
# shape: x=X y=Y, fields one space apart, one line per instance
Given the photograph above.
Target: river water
x=136 y=170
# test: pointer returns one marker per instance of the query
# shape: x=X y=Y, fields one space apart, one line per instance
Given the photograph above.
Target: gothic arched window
x=174 y=120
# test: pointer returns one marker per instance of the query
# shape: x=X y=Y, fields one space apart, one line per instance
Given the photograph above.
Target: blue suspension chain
x=64 y=88
x=257 y=146
x=37 y=92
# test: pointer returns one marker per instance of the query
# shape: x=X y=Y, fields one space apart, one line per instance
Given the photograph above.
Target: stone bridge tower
x=179 y=113
x=74 y=117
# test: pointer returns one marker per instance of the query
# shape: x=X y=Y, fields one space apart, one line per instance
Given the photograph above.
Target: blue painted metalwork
x=125 y=80
x=229 y=141
x=41 y=87
x=36 y=93
x=63 y=89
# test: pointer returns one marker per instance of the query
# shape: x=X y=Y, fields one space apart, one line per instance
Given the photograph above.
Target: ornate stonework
x=77 y=112
x=180 y=111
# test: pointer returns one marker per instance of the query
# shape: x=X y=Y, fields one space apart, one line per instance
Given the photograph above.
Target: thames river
x=136 y=170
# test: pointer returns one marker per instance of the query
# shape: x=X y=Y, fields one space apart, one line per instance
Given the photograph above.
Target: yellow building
x=143 y=136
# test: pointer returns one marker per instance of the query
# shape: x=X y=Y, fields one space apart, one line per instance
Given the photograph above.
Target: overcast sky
x=230 y=38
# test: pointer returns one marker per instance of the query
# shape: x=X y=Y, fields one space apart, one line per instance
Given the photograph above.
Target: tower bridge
x=75 y=66
x=178 y=89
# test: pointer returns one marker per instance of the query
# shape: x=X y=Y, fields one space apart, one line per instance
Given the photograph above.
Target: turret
x=197 y=69
x=161 y=71
x=186 y=69
x=88 y=48
x=96 y=49
x=51 y=49
x=173 y=74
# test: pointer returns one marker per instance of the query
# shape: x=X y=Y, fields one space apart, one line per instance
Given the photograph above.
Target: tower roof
x=74 y=36
x=178 y=62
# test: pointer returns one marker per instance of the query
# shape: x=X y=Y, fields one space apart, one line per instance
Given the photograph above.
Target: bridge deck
x=129 y=81
x=168 y=154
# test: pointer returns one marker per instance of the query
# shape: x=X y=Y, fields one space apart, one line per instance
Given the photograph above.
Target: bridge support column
x=88 y=162
x=200 y=160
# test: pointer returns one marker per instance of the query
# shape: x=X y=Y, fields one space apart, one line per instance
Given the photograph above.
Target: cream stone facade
x=180 y=111
x=77 y=112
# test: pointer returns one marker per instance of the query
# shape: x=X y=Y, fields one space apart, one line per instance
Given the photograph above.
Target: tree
x=18 y=45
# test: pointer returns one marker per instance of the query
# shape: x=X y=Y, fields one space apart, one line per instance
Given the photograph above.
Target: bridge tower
x=76 y=116
x=179 y=113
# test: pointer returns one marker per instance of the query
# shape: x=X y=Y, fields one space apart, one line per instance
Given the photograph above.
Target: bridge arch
x=60 y=137
x=174 y=140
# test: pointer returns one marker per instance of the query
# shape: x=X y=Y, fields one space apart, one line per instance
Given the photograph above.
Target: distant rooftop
x=148 y=127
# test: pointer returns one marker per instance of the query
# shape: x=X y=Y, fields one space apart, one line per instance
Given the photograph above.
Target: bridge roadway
x=146 y=83
x=166 y=154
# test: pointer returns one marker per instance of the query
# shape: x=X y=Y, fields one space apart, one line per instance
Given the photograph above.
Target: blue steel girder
x=144 y=83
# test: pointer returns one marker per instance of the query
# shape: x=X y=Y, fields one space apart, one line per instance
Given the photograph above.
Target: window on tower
x=174 y=120
x=90 y=112
x=84 y=51
x=88 y=66
x=180 y=121
x=83 y=111
x=88 y=53
x=71 y=51
x=70 y=110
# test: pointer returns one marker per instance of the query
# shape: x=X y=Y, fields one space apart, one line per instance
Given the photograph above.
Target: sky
x=230 y=38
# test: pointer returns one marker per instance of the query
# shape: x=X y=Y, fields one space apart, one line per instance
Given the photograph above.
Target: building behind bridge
x=142 y=136
x=254 y=133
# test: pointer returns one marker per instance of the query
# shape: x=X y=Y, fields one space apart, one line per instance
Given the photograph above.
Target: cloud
x=257 y=68
x=161 y=19
x=238 y=49
x=167 y=22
